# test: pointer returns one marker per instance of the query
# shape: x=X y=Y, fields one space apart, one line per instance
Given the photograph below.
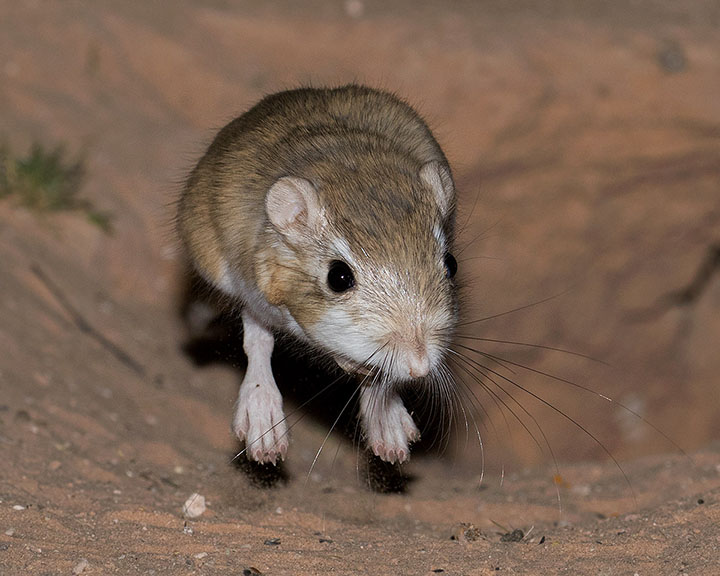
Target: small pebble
x=200 y=555
x=272 y=542
x=194 y=506
x=10 y=532
x=671 y=58
x=22 y=416
x=18 y=507
x=354 y=8
x=80 y=566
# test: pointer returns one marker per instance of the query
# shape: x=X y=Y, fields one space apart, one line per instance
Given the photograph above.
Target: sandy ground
x=585 y=138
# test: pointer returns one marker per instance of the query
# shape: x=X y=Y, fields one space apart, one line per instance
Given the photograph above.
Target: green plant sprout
x=44 y=181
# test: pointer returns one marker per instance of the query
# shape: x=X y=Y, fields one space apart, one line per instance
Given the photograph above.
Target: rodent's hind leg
x=259 y=418
x=389 y=429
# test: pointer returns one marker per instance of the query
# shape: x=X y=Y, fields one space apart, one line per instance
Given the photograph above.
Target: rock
x=194 y=506
x=80 y=566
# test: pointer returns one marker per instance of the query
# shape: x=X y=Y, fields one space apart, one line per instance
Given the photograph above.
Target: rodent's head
x=363 y=264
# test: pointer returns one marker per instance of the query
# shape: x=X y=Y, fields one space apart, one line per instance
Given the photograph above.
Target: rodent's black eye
x=340 y=278
x=450 y=265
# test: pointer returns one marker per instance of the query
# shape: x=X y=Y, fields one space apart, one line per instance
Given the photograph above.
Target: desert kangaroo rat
x=329 y=215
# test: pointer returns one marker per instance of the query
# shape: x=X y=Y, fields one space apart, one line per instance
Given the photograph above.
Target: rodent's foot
x=389 y=429
x=260 y=422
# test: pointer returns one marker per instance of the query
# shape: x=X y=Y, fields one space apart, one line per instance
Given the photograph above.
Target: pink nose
x=418 y=365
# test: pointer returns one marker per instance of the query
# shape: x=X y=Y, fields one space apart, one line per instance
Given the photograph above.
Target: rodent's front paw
x=389 y=429
x=260 y=422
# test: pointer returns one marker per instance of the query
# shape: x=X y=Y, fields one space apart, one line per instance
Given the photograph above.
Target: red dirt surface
x=585 y=138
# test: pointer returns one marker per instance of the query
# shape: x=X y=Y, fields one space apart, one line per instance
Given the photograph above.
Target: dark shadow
x=260 y=475
x=386 y=478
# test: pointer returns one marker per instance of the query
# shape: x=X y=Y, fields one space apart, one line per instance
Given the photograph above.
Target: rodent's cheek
x=272 y=280
x=337 y=331
x=284 y=283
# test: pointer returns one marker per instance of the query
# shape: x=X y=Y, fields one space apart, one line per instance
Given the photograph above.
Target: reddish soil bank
x=585 y=139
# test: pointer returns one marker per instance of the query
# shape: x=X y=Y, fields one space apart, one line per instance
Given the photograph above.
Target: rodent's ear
x=437 y=176
x=293 y=207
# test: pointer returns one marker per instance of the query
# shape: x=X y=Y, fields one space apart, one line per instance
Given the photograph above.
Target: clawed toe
x=389 y=429
x=271 y=456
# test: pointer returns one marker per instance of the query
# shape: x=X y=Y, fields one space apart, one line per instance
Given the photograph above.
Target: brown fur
x=362 y=149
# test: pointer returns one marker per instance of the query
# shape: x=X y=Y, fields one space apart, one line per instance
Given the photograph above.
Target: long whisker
x=533 y=345
x=475 y=402
x=518 y=309
x=587 y=390
x=449 y=391
x=442 y=397
x=477 y=237
x=470 y=394
x=332 y=427
x=560 y=412
x=468 y=218
x=353 y=397
x=482 y=369
x=480 y=257
x=455 y=393
x=376 y=377
x=357 y=433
